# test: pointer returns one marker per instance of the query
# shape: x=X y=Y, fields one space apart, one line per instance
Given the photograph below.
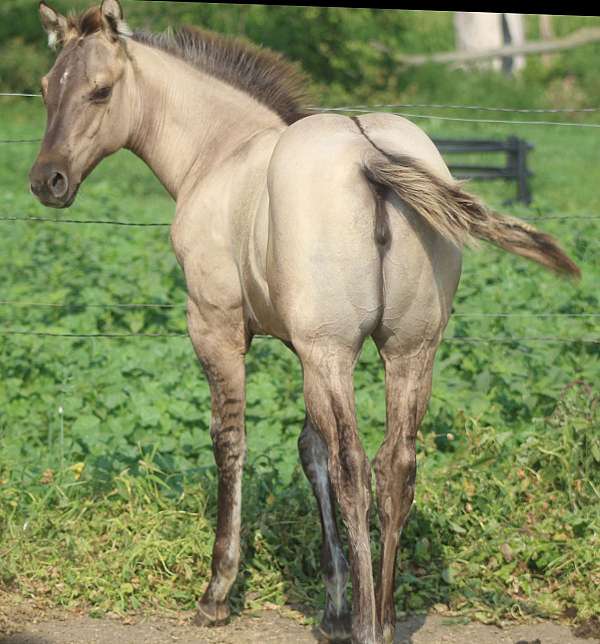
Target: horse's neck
x=186 y=121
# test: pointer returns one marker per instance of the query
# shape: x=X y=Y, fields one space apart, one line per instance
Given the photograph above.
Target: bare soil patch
x=30 y=622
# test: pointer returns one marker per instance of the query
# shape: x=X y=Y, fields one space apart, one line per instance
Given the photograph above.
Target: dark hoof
x=212 y=614
x=335 y=629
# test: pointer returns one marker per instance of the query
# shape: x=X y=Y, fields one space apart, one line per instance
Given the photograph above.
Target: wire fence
x=116 y=222
x=20 y=140
x=95 y=222
x=19 y=94
x=75 y=305
x=380 y=106
x=460 y=119
x=183 y=305
x=410 y=115
x=343 y=109
x=452 y=338
x=479 y=108
x=358 y=109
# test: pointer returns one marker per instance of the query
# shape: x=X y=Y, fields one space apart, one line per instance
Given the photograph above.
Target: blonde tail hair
x=460 y=216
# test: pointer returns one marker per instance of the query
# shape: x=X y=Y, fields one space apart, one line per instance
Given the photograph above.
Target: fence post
x=523 y=191
x=516 y=165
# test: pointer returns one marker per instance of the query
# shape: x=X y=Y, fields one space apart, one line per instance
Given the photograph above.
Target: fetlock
x=336 y=626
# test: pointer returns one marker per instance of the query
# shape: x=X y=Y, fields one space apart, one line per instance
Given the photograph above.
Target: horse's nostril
x=58 y=184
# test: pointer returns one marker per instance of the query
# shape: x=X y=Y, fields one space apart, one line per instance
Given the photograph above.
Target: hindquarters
x=323 y=265
x=346 y=255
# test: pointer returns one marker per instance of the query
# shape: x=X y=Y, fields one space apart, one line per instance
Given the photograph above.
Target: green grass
x=111 y=504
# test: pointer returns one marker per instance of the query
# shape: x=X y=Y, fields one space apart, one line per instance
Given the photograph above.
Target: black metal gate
x=515 y=168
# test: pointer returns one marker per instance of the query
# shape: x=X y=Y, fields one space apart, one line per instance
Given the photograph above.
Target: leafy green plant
x=107 y=481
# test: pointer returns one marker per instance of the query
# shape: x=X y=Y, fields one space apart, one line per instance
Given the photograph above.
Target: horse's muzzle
x=50 y=184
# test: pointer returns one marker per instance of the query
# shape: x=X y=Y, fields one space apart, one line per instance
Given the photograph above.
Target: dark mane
x=262 y=73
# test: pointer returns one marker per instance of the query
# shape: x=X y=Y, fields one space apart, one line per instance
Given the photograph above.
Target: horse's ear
x=112 y=14
x=55 y=25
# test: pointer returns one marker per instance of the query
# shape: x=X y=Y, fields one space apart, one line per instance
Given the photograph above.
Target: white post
x=546 y=33
x=477 y=30
x=515 y=36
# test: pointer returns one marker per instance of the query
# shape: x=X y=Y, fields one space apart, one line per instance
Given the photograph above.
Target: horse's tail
x=460 y=216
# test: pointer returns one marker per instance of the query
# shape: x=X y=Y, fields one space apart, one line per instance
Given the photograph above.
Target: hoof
x=212 y=614
x=335 y=629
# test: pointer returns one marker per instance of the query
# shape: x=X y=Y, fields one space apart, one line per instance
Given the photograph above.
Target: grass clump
x=502 y=528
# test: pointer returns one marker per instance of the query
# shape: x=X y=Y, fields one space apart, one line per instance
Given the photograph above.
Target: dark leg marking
x=329 y=397
x=336 y=622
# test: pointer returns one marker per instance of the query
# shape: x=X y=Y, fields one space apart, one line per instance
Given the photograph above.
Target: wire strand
x=482 y=108
x=183 y=305
x=20 y=140
x=508 y=340
x=101 y=222
x=74 y=305
x=91 y=335
x=108 y=222
x=524 y=315
x=19 y=94
x=464 y=119
x=409 y=115
x=493 y=339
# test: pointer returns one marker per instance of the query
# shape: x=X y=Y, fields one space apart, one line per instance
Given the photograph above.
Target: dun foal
x=318 y=230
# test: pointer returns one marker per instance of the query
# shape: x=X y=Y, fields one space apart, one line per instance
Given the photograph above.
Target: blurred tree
x=333 y=45
x=342 y=50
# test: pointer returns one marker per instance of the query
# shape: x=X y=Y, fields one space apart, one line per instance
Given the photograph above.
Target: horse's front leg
x=221 y=352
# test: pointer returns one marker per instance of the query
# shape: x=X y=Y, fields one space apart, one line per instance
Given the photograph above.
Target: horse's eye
x=101 y=94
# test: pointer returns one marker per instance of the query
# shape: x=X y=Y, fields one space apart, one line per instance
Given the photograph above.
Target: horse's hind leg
x=329 y=396
x=408 y=387
x=336 y=621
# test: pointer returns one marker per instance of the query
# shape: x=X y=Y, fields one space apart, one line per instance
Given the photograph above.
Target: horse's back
x=328 y=273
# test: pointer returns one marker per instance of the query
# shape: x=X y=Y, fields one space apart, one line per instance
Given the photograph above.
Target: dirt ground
x=27 y=625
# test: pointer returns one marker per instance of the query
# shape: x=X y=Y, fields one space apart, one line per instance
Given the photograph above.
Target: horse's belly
x=261 y=317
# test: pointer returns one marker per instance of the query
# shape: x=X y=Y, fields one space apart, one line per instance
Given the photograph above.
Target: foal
x=319 y=230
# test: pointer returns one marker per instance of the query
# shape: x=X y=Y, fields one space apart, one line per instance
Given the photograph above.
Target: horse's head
x=86 y=99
